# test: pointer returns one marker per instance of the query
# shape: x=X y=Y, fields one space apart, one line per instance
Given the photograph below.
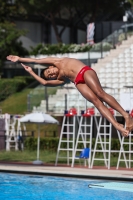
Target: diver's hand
x=27 y=68
x=13 y=58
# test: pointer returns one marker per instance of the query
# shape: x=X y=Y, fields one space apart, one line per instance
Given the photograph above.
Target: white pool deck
x=78 y=172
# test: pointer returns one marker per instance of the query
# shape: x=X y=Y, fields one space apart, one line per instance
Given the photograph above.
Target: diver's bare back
x=69 y=67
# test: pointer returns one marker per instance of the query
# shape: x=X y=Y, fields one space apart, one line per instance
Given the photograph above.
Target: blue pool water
x=29 y=187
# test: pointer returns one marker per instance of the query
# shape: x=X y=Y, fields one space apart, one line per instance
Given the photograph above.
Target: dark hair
x=42 y=74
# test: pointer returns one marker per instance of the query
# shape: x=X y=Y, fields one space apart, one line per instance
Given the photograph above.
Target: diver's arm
x=41 y=80
x=47 y=60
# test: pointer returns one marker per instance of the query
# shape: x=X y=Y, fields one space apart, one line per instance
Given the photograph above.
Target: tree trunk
x=55 y=28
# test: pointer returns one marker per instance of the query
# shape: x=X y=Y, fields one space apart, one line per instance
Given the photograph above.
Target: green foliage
x=73 y=13
x=131 y=2
x=48 y=49
x=15 y=103
x=7 y=10
x=105 y=47
x=11 y=86
x=52 y=144
x=9 y=43
x=37 y=94
x=45 y=143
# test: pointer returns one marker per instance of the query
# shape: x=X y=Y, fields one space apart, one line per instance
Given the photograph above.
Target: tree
x=9 y=34
x=9 y=43
x=72 y=13
x=131 y=2
x=7 y=10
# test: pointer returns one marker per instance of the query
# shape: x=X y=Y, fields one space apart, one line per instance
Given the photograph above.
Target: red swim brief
x=80 y=76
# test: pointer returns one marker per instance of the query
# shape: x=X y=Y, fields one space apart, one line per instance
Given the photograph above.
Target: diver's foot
x=129 y=123
x=124 y=132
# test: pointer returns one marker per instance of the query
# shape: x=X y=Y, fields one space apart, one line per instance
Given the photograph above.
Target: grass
x=47 y=156
x=27 y=156
x=16 y=103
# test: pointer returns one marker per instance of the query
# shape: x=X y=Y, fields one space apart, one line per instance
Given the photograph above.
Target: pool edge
x=82 y=176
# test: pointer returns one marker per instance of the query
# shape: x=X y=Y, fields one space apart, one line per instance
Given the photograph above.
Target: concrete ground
x=67 y=171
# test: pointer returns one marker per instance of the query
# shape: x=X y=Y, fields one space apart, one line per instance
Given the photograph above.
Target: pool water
x=30 y=187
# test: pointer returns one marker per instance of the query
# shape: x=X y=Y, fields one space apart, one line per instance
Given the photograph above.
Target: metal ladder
x=84 y=136
x=11 y=137
x=128 y=142
x=129 y=151
x=67 y=136
x=103 y=139
x=12 y=134
x=103 y=134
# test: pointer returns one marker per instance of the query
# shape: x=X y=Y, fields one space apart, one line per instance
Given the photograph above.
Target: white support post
x=104 y=139
x=67 y=136
x=84 y=135
x=11 y=122
x=101 y=139
x=103 y=135
x=128 y=142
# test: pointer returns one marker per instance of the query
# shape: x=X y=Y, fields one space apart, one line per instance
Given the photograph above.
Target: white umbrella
x=39 y=118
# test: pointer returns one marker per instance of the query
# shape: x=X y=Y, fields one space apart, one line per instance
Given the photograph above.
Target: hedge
x=49 y=49
x=30 y=143
x=11 y=86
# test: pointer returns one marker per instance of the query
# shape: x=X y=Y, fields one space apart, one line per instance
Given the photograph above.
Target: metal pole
x=38 y=142
x=89 y=62
x=125 y=31
x=37 y=161
x=28 y=102
x=46 y=98
x=125 y=18
x=39 y=71
x=101 y=40
x=65 y=101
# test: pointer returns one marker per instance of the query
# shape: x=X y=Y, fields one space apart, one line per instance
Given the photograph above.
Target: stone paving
x=79 y=172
